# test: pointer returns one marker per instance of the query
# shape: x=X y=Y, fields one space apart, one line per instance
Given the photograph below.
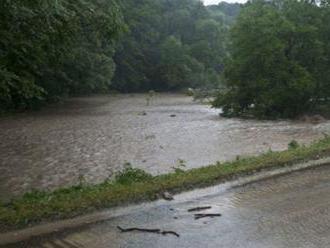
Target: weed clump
x=131 y=175
x=293 y=145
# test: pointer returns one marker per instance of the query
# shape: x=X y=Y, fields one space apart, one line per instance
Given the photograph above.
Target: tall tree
x=277 y=65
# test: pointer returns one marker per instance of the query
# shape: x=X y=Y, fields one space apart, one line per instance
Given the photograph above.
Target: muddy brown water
x=93 y=137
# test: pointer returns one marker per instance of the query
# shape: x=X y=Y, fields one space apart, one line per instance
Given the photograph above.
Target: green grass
x=134 y=185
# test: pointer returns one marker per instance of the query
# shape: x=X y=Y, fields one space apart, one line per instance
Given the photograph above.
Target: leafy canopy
x=279 y=59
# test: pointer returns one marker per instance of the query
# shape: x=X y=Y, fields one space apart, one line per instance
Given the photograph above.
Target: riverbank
x=136 y=186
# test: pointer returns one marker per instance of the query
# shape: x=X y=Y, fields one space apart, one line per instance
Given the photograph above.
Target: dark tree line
x=50 y=49
x=171 y=44
x=274 y=62
x=279 y=63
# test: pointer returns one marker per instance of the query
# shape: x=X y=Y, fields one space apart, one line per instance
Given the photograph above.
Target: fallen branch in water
x=158 y=231
x=138 y=229
x=199 y=209
x=200 y=216
x=170 y=232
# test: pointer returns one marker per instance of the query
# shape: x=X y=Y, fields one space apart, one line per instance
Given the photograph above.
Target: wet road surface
x=285 y=211
x=91 y=138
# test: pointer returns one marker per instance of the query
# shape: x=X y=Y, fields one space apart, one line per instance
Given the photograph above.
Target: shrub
x=293 y=145
x=132 y=175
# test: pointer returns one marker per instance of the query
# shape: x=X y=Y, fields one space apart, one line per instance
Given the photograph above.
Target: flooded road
x=284 y=211
x=93 y=137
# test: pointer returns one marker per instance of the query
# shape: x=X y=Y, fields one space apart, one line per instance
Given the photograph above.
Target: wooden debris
x=199 y=209
x=138 y=229
x=157 y=231
x=200 y=216
x=170 y=232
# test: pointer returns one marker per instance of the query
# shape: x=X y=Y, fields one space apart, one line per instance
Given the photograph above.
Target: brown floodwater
x=91 y=138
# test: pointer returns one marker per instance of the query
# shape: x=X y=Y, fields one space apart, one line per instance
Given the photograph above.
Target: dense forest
x=266 y=58
x=53 y=48
x=172 y=44
x=50 y=49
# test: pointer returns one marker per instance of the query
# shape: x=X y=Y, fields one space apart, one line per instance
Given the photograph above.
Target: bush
x=293 y=145
x=132 y=175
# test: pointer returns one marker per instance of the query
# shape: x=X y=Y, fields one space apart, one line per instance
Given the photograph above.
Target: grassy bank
x=133 y=185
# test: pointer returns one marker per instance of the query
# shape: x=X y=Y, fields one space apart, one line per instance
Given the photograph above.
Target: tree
x=277 y=60
x=50 y=48
x=186 y=29
x=177 y=69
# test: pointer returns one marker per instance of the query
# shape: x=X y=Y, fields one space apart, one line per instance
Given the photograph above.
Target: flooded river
x=93 y=137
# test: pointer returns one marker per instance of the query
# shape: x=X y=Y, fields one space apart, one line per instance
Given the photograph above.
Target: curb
x=59 y=226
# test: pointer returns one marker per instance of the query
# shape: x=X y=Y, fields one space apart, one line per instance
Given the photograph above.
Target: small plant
x=177 y=170
x=149 y=97
x=82 y=180
x=131 y=175
x=181 y=164
x=270 y=151
x=34 y=195
x=293 y=145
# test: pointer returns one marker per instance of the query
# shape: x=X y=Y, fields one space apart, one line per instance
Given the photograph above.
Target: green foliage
x=225 y=12
x=132 y=175
x=293 y=145
x=53 y=48
x=279 y=64
x=65 y=203
x=170 y=45
x=179 y=168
